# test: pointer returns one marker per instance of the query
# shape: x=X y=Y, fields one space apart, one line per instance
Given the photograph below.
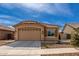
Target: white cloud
x=36 y=7
x=46 y=22
x=9 y=17
x=11 y=27
x=64 y=9
x=40 y=7
x=6 y=5
x=5 y=16
x=54 y=9
x=6 y=19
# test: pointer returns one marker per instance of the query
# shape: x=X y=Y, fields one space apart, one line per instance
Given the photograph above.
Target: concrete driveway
x=23 y=45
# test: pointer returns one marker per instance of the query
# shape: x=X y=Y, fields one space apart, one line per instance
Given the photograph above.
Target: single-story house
x=6 y=32
x=68 y=30
x=33 y=30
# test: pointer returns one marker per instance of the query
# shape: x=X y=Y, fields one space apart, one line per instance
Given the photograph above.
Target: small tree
x=75 y=38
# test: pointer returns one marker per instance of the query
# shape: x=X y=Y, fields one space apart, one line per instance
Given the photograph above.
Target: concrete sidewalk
x=36 y=52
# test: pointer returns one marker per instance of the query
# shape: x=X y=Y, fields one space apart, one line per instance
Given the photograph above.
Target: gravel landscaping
x=63 y=45
x=63 y=54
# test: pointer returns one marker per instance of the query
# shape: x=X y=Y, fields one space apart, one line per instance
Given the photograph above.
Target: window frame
x=52 y=32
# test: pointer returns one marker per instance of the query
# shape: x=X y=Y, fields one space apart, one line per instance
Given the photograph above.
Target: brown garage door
x=29 y=34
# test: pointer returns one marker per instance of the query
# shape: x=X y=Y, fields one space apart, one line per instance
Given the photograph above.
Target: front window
x=51 y=33
x=68 y=36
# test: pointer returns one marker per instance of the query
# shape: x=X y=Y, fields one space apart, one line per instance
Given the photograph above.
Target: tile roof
x=9 y=28
x=45 y=24
x=75 y=25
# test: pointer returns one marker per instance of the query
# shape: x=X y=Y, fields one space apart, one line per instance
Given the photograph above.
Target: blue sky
x=52 y=13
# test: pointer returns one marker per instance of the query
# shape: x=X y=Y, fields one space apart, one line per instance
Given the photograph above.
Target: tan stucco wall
x=68 y=30
x=3 y=34
x=26 y=25
x=55 y=37
x=43 y=28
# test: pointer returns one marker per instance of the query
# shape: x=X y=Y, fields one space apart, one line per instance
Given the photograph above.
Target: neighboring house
x=6 y=33
x=68 y=30
x=33 y=30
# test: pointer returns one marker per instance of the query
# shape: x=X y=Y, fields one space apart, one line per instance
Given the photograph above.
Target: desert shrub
x=46 y=46
x=75 y=39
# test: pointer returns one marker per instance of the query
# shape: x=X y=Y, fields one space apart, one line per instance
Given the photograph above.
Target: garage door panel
x=31 y=34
